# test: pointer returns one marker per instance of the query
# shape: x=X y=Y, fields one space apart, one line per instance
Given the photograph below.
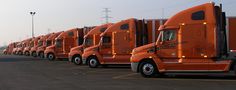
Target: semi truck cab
x=117 y=42
x=90 y=39
x=194 y=40
x=42 y=45
x=64 y=42
x=34 y=47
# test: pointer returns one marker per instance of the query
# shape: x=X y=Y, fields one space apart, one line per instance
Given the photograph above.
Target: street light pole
x=32 y=14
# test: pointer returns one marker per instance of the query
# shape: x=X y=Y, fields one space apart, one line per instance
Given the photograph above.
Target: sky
x=61 y=15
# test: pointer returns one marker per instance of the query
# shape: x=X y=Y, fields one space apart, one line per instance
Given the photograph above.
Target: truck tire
x=27 y=53
x=20 y=53
x=51 y=57
x=77 y=60
x=148 y=69
x=93 y=62
x=34 y=54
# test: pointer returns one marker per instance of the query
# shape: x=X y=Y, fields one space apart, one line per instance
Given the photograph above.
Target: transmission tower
x=107 y=17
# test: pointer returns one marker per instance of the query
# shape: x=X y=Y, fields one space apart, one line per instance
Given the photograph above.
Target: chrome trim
x=153 y=30
x=194 y=70
x=134 y=67
x=227 y=34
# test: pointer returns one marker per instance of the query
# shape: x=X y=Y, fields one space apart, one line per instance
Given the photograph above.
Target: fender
x=142 y=56
x=49 y=51
x=90 y=53
x=76 y=52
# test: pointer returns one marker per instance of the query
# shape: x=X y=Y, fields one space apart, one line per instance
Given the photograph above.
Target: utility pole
x=32 y=14
x=49 y=30
x=162 y=16
x=107 y=17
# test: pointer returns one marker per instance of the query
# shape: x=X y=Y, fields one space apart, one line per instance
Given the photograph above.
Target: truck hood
x=51 y=47
x=77 y=48
x=91 y=48
x=42 y=47
x=26 y=48
x=144 y=48
x=34 y=48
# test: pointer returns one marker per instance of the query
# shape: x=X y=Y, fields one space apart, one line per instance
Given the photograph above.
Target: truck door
x=173 y=53
x=68 y=44
x=122 y=47
x=167 y=50
x=59 y=46
x=106 y=48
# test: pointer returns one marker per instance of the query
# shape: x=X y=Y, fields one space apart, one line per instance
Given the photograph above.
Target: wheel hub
x=93 y=62
x=148 y=69
x=50 y=56
x=77 y=60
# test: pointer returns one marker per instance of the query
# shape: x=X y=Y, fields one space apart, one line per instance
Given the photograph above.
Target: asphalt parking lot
x=27 y=73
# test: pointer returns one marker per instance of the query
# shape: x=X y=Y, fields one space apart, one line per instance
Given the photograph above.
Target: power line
x=107 y=17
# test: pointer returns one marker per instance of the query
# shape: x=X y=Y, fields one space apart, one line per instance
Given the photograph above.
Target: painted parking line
x=124 y=76
x=132 y=76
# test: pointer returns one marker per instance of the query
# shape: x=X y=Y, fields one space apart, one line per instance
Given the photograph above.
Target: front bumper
x=134 y=66
x=70 y=58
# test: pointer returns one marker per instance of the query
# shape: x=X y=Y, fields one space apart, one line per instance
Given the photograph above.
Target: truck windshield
x=48 y=43
x=40 y=43
x=88 y=41
x=59 y=42
x=32 y=44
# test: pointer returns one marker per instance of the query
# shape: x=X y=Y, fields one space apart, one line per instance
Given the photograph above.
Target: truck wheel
x=93 y=62
x=41 y=55
x=51 y=57
x=26 y=53
x=20 y=53
x=77 y=60
x=148 y=69
x=34 y=54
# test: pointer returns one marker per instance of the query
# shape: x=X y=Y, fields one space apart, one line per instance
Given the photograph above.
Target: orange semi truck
x=118 y=41
x=42 y=45
x=29 y=45
x=64 y=42
x=15 y=48
x=34 y=46
x=26 y=44
x=90 y=39
x=10 y=47
x=193 y=41
x=51 y=39
x=19 y=48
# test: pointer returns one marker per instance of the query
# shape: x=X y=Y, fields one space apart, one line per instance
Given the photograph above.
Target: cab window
x=59 y=43
x=124 y=27
x=169 y=35
x=199 y=15
x=40 y=43
x=106 y=39
x=70 y=34
x=88 y=41
x=32 y=44
x=49 y=42
x=103 y=29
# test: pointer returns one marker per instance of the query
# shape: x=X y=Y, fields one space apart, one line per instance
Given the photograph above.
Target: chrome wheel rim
x=50 y=56
x=77 y=60
x=93 y=62
x=148 y=69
